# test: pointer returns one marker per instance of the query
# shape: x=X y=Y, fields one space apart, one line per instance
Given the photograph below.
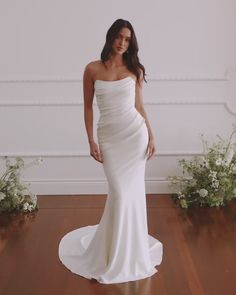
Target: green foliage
x=208 y=180
x=14 y=193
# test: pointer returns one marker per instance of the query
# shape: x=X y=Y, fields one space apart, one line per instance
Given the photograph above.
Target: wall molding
x=93 y=186
x=84 y=180
x=67 y=102
x=77 y=80
x=168 y=101
x=86 y=154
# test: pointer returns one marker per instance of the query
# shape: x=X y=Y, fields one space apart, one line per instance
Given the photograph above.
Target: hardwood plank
x=199 y=249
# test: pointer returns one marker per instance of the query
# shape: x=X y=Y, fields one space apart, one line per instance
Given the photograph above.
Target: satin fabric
x=119 y=248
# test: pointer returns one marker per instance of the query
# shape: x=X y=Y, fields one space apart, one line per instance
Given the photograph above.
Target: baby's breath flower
x=203 y=192
x=219 y=162
x=206 y=163
x=30 y=207
x=13 y=191
x=40 y=160
x=211 y=176
x=2 y=196
x=25 y=206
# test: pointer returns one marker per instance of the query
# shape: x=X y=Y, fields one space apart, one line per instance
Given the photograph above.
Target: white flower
x=213 y=174
x=39 y=160
x=2 y=196
x=204 y=161
x=26 y=206
x=215 y=183
x=30 y=207
x=15 y=191
x=180 y=195
x=33 y=198
x=203 y=192
x=219 y=162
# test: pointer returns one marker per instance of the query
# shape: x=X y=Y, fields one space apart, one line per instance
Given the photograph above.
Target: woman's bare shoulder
x=93 y=67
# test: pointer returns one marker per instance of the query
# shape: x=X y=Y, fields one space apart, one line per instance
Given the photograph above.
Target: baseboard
x=92 y=187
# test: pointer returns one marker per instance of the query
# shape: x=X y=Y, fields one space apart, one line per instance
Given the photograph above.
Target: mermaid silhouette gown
x=119 y=248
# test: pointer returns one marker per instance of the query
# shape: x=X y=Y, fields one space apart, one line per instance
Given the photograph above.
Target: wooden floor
x=199 y=249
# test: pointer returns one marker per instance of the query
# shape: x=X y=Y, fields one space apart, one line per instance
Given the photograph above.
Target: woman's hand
x=95 y=153
x=151 y=149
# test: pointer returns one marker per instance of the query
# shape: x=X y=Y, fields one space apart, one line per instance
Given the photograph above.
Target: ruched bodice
x=115 y=99
x=116 y=103
x=119 y=248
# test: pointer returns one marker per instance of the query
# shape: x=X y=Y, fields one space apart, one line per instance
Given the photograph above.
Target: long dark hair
x=130 y=57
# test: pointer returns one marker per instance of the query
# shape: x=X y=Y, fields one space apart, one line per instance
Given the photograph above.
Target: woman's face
x=122 y=40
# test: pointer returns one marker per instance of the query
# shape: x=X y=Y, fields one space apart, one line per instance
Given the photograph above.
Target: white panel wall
x=187 y=47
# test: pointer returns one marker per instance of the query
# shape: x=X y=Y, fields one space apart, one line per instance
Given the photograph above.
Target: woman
x=118 y=249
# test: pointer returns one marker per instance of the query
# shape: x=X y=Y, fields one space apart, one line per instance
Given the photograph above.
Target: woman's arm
x=140 y=108
x=88 y=91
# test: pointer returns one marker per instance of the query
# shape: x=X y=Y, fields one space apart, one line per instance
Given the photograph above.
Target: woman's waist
x=120 y=120
x=119 y=130
x=116 y=117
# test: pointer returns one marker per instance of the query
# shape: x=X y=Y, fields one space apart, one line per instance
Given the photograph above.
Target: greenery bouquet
x=210 y=179
x=14 y=193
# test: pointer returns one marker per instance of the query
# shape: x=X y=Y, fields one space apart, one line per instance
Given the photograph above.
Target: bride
x=119 y=248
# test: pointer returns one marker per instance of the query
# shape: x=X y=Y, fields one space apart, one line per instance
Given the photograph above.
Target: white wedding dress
x=119 y=248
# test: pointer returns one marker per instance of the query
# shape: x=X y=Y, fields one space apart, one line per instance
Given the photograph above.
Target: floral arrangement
x=208 y=180
x=14 y=193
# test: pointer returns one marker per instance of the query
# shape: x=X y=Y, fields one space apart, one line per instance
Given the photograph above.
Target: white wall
x=188 y=48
